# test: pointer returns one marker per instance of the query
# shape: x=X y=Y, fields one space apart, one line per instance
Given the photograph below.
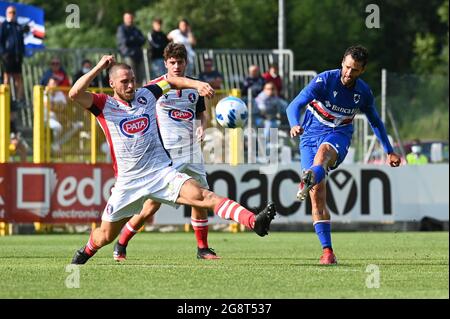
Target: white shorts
x=128 y=198
x=196 y=171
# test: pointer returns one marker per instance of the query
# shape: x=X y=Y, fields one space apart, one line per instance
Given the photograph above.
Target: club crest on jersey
x=356 y=98
x=181 y=115
x=135 y=126
x=142 y=100
x=191 y=97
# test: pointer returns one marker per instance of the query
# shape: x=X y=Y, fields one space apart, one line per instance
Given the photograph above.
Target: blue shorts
x=309 y=145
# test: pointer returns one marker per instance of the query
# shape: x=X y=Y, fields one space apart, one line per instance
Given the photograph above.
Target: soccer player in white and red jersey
x=143 y=167
x=178 y=112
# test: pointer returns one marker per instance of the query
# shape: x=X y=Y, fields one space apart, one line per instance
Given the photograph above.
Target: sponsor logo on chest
x=181 y=115
x=335 y=108
x=135 y=126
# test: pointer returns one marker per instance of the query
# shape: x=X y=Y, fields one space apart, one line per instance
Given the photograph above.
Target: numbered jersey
x=132 y=132
x=177 y=112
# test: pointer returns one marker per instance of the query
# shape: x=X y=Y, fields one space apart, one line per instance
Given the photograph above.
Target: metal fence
x=72 y=135
x=233 y=64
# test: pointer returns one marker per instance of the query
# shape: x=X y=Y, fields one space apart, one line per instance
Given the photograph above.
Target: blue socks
x=323 y=231
x=319 y=173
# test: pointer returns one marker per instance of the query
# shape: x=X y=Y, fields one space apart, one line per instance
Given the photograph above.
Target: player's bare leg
x=99 y=237
x=192 y=194
x=199 y=221
x=132 y=226
x=325 y=157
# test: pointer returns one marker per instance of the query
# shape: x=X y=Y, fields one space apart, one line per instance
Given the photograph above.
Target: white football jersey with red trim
x=177 y=111
x=132 y=132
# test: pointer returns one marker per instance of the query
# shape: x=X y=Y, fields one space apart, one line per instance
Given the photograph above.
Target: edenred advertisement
x=54 y=193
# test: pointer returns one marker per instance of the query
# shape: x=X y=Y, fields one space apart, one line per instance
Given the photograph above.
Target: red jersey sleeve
x=98 y=103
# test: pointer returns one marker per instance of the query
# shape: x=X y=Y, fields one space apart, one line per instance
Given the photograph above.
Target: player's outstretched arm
x=203 y=88
x=78 y=91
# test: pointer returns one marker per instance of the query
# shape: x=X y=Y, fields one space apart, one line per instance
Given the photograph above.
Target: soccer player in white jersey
x=178 y=113
x=143 y=167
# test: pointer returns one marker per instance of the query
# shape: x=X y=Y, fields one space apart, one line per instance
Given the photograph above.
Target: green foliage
x=428 y=58
x=106 y=14
x=231 y=24
x=425 y=53
x=419 y=105
x=59 y=36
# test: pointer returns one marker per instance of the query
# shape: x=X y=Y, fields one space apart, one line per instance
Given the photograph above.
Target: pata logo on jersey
x=181 y=115
x=135 y=126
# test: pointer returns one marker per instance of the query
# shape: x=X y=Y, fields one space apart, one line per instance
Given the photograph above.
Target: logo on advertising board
x=343 y=191
x=135 y=126
x=56 y=192
x=341 y=182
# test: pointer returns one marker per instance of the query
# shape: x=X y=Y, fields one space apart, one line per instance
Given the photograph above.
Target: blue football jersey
x=331 y=106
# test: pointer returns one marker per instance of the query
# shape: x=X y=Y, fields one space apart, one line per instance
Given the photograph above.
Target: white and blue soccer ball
x=231 y=112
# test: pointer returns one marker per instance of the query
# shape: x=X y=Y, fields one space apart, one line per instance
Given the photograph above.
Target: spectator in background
x=56 y=116
x=129 y=42
x=416 y=157
x=55 y=101
x=185 y=36
x=211 y=75
x=158 y=41
x=18 y=146
x=254 y=81
x=86 y=66
x=12 y=50
x=272 y=76
x=57 y=72
x=271 y=108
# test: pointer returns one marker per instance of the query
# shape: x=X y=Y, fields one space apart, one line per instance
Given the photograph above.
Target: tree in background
x=430 y=49
x=227 y=24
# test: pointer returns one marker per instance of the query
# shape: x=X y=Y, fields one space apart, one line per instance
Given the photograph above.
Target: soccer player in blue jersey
x=333 y=98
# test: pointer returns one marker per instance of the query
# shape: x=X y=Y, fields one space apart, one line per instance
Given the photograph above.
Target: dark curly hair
x=175 y=50
x=358 y=53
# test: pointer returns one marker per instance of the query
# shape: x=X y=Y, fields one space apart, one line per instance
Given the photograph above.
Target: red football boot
x=328 y=257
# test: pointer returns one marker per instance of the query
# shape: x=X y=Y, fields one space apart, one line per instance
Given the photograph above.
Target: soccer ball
x=231 y=112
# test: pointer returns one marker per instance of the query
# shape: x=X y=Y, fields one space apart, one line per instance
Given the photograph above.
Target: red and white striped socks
x=200 y=227
x=90 y=247
x=127 y=233
x=230 y=210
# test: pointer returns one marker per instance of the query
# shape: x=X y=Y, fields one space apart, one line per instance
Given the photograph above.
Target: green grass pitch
x=281 y=265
